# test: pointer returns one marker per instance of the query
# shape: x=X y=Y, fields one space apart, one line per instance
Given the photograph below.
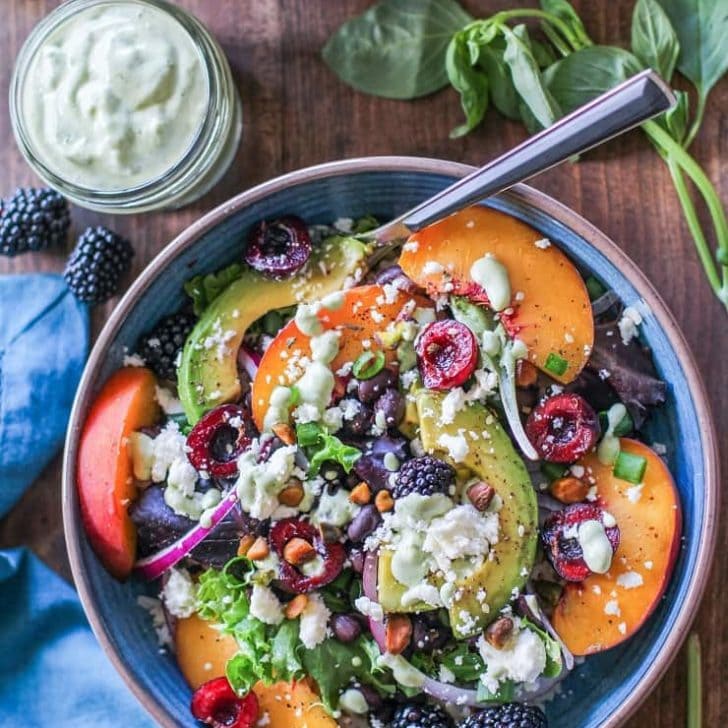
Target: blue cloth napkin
x=43 y=347
x=52 y=670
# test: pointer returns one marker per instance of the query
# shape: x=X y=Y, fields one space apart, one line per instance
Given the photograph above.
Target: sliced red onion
x=249 y=361
x=449 y=693
x=152 y=567
x=369 y=587
x=369 y=576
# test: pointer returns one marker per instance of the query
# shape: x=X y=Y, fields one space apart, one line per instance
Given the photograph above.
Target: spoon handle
x=624 y=107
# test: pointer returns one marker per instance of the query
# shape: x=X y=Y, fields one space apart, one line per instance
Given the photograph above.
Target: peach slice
x=365 y=313
x=203 y=652
x=605 y=609
x=552 y=313
x=104 y=478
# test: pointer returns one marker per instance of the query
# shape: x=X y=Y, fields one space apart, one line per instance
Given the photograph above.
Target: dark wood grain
x=297 y=114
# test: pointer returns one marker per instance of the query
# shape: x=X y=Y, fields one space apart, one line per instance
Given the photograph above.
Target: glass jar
x=207 y=146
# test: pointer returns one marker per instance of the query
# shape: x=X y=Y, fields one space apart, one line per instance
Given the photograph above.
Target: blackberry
x=508 y=715
x=96 y=264
x=161 y=346
x=425 y=475
x=421 y=716
x=33 y=219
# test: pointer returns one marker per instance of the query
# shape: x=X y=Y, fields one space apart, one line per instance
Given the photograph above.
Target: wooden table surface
x=297 y=114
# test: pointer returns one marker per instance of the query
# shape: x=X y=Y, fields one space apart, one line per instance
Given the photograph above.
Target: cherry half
x=562 y=428
x=333 y=555
x=447 y=354
x=279 y=248
x=216 y=704
x=559 y=536
x=216 y=442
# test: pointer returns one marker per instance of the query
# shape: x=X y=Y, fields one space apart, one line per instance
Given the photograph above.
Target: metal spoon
x=614 y=112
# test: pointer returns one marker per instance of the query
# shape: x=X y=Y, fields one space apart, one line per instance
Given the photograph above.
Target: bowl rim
x=524 y=194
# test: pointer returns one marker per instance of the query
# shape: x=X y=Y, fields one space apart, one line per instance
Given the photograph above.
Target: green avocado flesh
x=494 y=460
x=208 y=374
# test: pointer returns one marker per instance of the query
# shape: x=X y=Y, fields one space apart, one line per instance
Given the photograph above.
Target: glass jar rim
x=207 y=49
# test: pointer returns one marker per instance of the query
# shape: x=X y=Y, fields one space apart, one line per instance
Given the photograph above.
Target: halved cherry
x=447 y=354
x=563 y=428
x=332 y=555
x=216 y=704
x=279 y=248
x=219 y=438
x=560 y=538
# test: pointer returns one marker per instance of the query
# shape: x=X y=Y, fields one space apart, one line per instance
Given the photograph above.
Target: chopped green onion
x=295 y=397
x=630 y=467
x=368 y=364
x=553 y=471
x=595 y=288
x=556 y=364
x=623 y=427
x=308 y=433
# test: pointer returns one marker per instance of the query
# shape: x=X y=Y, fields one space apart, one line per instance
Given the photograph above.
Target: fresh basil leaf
x=204 y=289
x=676 y=119
x=503 y=93
x=469 y=81
x=322 y=447
x=654 y=40
x=566 y=13
x=543 y=54
x=396 y=49
x=527 y=78
x=585 y=74
x=702 y=28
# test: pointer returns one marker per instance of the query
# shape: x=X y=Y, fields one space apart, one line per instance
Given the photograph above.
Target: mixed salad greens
x=408 y=496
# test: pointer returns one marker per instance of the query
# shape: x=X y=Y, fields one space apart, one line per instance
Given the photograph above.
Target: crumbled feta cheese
x=634 y=493
x=133 y=360
x=446 y=675
x=522 y=661
x=167 y=401
x=265 y=606
x=543 y=243
x=179 y=594
x=630 y=580
x=159 y=621
x=628 y=323
x=370 y=609
x=258 y=484
x=611 y=608
x=649 y=565
x=456 y=446
x=622 y=627
x=314 y=622
x=461 y=532
x=432 y=267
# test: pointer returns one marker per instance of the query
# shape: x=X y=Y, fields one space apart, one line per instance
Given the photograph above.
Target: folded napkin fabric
x=43 y=345
x=52 y=670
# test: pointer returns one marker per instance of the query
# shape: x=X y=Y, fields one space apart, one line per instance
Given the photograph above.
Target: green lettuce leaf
x=334 y=665
x=322 y=447
x=204 y=289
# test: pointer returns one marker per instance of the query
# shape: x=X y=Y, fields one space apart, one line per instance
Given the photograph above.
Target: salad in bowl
x=400 y=490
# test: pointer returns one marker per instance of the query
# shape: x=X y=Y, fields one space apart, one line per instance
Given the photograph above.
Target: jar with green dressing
x=125 y=105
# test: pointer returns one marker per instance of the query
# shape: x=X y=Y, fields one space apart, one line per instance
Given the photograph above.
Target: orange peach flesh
x=607 y=609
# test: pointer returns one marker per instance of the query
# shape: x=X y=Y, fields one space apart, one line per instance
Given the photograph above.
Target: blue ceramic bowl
x=607 y=688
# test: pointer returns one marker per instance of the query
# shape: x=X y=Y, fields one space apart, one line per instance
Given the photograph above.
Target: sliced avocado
x=390 y=591
x=494 y=460
x=208 y=374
